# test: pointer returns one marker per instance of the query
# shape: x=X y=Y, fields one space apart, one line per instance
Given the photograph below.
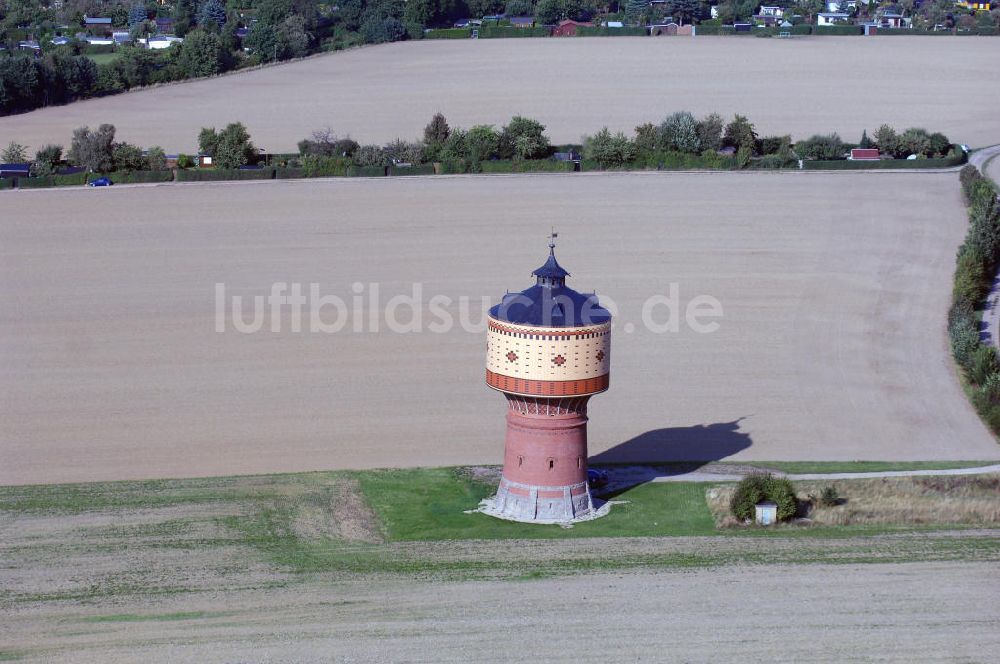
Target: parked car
x=597 y=478
x=100 y=182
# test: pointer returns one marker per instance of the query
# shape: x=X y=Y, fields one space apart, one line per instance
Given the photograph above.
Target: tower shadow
x=669 y=451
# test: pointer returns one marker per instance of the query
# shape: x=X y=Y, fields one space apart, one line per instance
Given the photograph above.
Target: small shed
x=864 y=154
x=567 y=28
x=766 y=512
x=522 y=22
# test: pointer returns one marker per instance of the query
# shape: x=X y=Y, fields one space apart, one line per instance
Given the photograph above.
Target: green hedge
x=449 y=33
x=501 y=32
x=416 y=169
x=6 y=183
x=123 y=177
x=74 y=179
x=453 y=167
x=600 y=31
x=861 y=165
x=838 y=30
x=210 y=175
x=527 y=166
x=366 y=171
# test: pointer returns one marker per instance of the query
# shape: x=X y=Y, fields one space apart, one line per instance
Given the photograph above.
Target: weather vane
x=552 y=238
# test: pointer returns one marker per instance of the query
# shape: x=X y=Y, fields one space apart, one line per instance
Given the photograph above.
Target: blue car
x=100 y=182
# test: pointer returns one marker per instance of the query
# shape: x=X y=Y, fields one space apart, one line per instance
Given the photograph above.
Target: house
x=890 y=18
x=97 y=25
x=766 y=512
x=121 y=37
x=768 y=10
x=567 y=28
x=832 y=18
x=158 y=42
x=522 y=22
x=14 y=170
x=864 y=154
x=975 y=5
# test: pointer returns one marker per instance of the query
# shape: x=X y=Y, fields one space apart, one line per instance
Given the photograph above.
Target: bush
x=609 y=150
x=208 y=175
x=449 y=33
x=821 y=147
x=527 y=166
x=829 y=497
x=493 y=32
x=366 y=171
x=757 y=487
x=416 y=169
x=679 y=131
x=123 y=177
x=73 y=179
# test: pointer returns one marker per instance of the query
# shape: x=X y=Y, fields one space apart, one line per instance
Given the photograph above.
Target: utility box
x=766 y=512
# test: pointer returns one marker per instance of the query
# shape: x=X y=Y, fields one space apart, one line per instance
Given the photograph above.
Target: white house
x=832 y=18
x=767 y=10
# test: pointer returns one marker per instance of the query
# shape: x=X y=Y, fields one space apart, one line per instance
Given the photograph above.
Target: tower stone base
x=545 y=463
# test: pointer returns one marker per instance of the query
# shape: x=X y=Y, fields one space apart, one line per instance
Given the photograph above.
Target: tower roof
x=550 y=302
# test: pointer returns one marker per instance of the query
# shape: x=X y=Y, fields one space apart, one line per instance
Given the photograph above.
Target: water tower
x=548 y=349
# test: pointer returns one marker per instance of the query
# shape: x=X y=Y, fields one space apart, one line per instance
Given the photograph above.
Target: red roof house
x=862 y=154
x=567 y=28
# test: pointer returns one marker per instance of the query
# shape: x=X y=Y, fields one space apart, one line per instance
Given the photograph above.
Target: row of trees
x=521 y=138
x=93 y=150
x=977 y=262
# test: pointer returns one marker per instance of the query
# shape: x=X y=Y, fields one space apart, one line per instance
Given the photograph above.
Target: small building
x=204 y=161
x=832 y=18
x=157 y=42
x=769 y=10
x=14 y=170
x=572 y=155
x=60 y=41
x=864 y=154
x=615 y=24
x=766 y=513
x=121 y=37
x=892 y=19
x=461 y=23
x=97 y=25
x=164 y=25
x=975 y=5
x=29 y=45
x=742 y=27
x=99 y=41
x=522 y=22
x=663 y=29
x=567 y=28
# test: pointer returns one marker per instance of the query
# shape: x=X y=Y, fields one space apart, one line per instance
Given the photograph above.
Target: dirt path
x=573 y=86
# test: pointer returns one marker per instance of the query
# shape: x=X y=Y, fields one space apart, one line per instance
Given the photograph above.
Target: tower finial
x=552 y=241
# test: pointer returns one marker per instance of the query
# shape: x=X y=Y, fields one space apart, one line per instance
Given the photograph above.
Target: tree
x=682 y=10
x=213 y=13
x=93 y=150
x=940 y=145
x=548 y=12
x=609 y=150
x=915 y=141
x=886 y=139
x=483 y=142
x=14 y=153
x=202 y=54
x=128 y=157
x=381 y=30
x=709 y=131
x=680 y=132
x=647 y=137
x=526 y=137
x=437 y=130
x=865 y=142
x=229 y=148
x=431 y=12
x=156 y=158
x=519 y=8
x=636 y=10
x=47 y=159
x=136 y=15
x=740 y=134
x=371 y=155
x=821 y=147
x=184 y=16
x=456 y=148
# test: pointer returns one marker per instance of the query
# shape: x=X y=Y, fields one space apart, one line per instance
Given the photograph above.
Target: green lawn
x=429 y=504
x=104 y=58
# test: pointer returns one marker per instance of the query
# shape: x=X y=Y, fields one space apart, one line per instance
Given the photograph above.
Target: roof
x=550 y=303
x=15 y=167
x=864 y=153
x=521 y=20
x=96 y=20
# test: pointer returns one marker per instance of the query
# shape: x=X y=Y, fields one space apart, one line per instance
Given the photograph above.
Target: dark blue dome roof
x=550 y=303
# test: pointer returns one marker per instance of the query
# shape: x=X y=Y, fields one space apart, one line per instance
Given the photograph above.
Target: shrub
x=609 y=150
x=740 y=134
x=370 y=155
x=829 y=497
x=122 y=177
x=710 y=132
x=526 y=137
x=184 y=161
x=208 y=175
x=821 y=147
x=48 y=158
x=983 y=364
x=757 y=487
x=772 y=144
x=679 y=131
